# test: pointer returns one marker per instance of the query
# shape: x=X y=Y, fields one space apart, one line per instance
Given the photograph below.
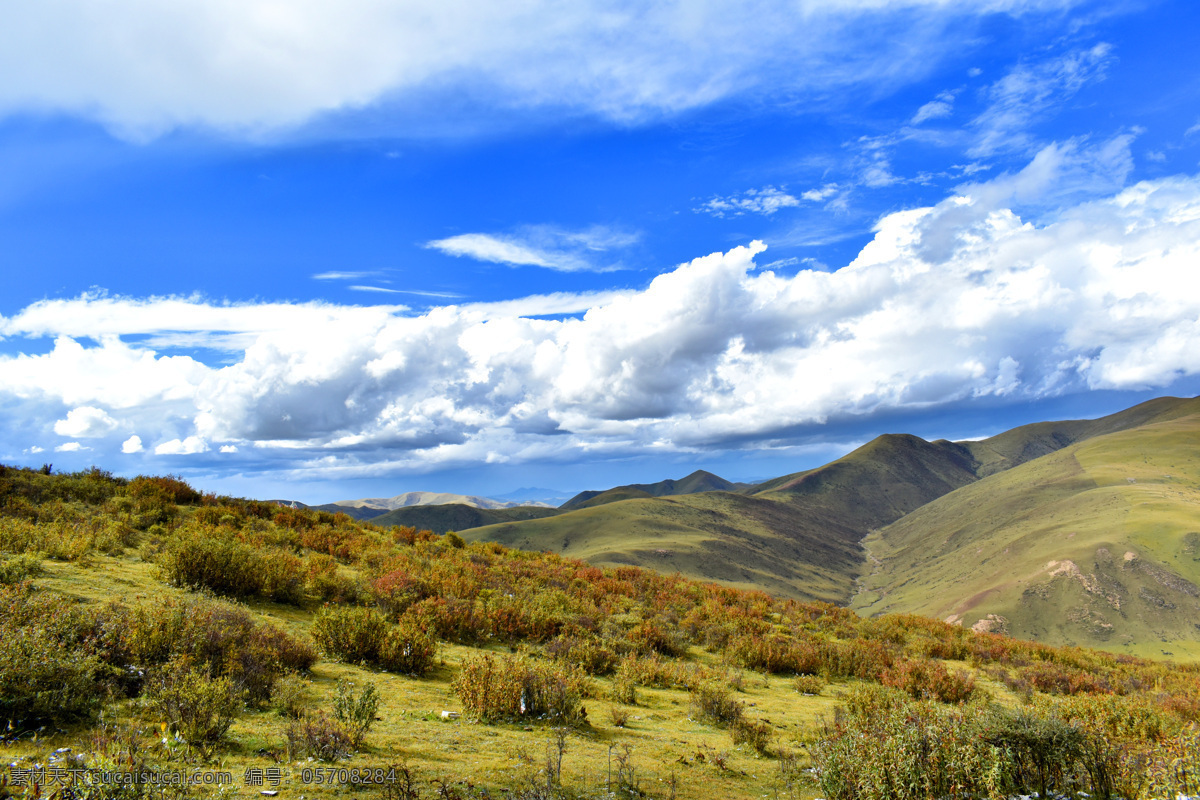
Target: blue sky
x=333 y=250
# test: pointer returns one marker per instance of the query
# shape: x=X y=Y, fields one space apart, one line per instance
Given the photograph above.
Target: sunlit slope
x=457 y=516
x=698 y=481
x=1097 y=544
x=715 y=536
x=798 y=539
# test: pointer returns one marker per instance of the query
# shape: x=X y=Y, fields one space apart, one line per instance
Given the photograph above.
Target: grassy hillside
x=740 y=541
x=1096 y=544
x=152 y=630
x=457 y=516
x=698 y=481
x=798 y=537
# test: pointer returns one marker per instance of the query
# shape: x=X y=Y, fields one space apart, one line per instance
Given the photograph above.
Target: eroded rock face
x=992 y=623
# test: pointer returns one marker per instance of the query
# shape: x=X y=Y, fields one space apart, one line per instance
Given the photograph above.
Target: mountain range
x=1072 y=532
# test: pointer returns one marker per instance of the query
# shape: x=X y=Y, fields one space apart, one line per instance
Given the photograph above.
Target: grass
x=1092 y=545
x=663 y=740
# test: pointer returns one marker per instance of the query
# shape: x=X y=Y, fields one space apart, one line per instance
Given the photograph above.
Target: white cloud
x=132 y=445
x=85 y=422
x=940 y=108
x=820 y=194
x=541 y=246
x=228 y=448
x=253 y=65
x=765 y=201
x=176 y=447
x=344 y=276
x=1030 y=90
x=35 y=450
x=958 y=300
x=70 y=447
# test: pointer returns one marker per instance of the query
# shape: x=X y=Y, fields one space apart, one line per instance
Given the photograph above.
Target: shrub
x=809 y=684
x=356 y=714
x=624 y=688
x=1175 y=768
x=351 y=634
x=317 y=736
x=293 y=696
x=47 y=669
x=199 y=707
x=929 y=680
x=711 y=702
x=220 y=636
x=755 y=733
x=212 y=559
x=900 y=750
x=493 y=689
x=588 y=652
x=14 y=569
x=407 y=649
x=1042 y=749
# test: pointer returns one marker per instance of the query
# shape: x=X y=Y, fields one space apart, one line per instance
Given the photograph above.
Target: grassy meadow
x=152 y=630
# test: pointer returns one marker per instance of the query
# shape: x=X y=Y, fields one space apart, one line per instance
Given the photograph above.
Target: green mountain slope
x=798 y=539
x=457 y=516
x=1096 y=544
x=799 y=535
x=698 y=481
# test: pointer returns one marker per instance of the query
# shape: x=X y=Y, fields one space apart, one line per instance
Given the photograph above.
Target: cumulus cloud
x=132 y=445
x=821 y=193
x=541 y=246
x=254 y=65
x=966 y=298
x=85 y=422
x=182 y=447
x=765 y=201
x=70 y=447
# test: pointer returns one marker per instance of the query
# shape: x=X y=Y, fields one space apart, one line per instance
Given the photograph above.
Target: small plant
x=317 y=736
x=292 y=696
x=356 y=714
x=199 y=707
x=620 y=716
x=755 y=733
x=809 y=684
x=711 y=703
x=14 y=569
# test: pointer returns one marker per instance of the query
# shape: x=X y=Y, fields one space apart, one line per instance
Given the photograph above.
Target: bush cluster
x=61 y=659
x=887 y=745
x=511 y=687
x=360 y=635
x=924 y=679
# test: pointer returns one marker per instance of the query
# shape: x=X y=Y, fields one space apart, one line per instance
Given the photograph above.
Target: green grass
x=1122 y=508
x=664 y=741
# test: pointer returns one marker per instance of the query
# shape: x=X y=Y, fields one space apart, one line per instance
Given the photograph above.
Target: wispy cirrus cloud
x=939 y=108
x=253 y=66
x=543 y=246
x=1029 y=91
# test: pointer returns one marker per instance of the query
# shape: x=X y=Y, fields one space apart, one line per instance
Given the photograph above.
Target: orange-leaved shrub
x=923 y=679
